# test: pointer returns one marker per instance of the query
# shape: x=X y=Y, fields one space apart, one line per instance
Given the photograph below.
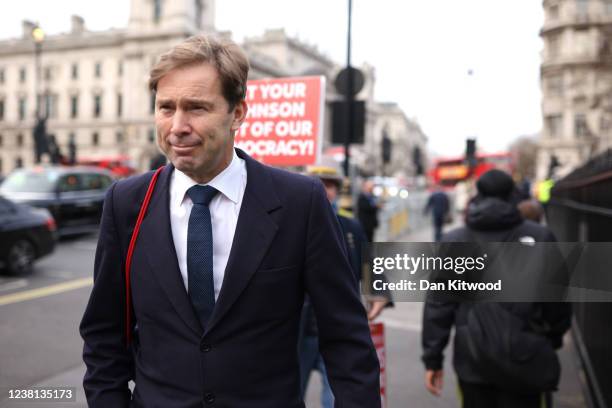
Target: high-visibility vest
x=544 y=188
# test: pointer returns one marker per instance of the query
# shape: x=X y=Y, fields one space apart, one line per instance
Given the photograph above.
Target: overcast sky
x=422 y=51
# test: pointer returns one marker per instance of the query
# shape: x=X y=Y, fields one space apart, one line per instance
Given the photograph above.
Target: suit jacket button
x=209 y=398
x=205 y=348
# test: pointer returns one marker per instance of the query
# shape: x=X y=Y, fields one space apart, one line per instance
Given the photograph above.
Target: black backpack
x=508 y=351
x=508 y=348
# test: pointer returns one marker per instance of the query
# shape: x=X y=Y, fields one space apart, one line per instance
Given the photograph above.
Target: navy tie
x=200 y=253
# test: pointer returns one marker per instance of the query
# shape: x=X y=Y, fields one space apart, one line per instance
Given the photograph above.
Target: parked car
x=26 y=234
x=73 y=195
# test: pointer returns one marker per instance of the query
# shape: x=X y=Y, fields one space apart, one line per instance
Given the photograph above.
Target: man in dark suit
x=225 y=254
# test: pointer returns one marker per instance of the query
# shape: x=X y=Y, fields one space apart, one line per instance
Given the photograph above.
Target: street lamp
x=38 y=35
x=40 y=132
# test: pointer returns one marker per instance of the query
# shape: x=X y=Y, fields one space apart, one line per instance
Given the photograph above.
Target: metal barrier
x=400 y=215
x=580 y=209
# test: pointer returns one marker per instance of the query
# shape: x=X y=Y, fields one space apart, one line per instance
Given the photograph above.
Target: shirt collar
x=225 y=182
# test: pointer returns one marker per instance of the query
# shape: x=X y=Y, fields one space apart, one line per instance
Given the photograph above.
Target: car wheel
x=20 y=258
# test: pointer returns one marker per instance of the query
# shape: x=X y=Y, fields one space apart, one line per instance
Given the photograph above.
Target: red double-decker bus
x=450 y=171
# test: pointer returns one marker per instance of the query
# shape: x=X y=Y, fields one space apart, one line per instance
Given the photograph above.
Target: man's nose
x=180 y=123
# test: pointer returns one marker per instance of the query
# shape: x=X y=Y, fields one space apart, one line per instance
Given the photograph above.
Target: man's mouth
x=183 y=148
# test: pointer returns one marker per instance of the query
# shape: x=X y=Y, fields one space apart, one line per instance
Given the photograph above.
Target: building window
x=97 y=106
x=582 y=7
x=95 y=139
x=157 y=10
x=198 y=13
x=18 y=162
x=119 y=137
x=555 y=126
x=555 y=85
x=74 y=71
x=581 y=129
x=554 y=45
x=1 y=109
x=22 y=74
x=151 y=135
x=152 y=103
x=119 y=105
x=22 y=108
x=48 y=104
x=120 y=68
x=74 y=106
x=608 y=6
x=1 y=140
x=48 y=73
x=98 y=70
x=553 y=12
x=20 y=140
x=1 y=75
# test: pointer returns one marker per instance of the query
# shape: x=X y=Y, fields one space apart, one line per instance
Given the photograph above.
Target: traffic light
x=417 y=161
x=470 y=152
x=339 y=119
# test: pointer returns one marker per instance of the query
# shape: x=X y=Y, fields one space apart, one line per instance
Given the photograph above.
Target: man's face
x=195 y=126
x=331 y=188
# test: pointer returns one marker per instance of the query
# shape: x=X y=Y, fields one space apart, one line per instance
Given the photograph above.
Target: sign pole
x=349 y=95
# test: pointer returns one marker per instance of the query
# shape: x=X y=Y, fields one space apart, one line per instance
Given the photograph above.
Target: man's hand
x=434 y=381
x=376 y=306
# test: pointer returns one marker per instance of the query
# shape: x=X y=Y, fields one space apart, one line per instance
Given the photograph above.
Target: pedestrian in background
x=492 y=216
x=438 y=204
x=354 y=239
x=368 y=207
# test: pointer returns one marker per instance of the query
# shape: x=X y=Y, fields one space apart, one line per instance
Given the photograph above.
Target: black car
x=26 y=234
x=73 y=195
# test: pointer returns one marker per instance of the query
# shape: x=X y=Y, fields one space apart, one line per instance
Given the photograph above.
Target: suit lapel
x=156 y=236
x=255 y=231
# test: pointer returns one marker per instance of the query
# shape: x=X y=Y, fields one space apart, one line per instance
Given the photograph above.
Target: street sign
x=342 y=81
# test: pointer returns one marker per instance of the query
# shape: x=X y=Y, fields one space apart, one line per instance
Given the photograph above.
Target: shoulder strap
x=128 y=260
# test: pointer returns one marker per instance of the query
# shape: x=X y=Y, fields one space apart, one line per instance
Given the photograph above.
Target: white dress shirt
x=224 y=210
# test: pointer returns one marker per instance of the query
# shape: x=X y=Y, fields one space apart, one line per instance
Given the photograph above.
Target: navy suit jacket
x=287 y=242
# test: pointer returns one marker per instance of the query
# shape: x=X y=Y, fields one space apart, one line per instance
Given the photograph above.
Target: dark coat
x=287 y=241
x=354 y=238
x=439 y=204
x=488 y=220
x=367 y=212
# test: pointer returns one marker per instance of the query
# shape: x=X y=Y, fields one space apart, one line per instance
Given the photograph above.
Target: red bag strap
x=128 y=261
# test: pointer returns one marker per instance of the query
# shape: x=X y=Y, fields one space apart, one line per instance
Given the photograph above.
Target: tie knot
x=202 y=194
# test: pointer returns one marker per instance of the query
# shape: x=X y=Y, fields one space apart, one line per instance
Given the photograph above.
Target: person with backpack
x=487 y=374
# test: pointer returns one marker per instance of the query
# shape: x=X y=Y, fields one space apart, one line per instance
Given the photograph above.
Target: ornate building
x=576 y=80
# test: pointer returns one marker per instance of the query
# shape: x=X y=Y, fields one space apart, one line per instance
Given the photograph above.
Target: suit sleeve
x=344 y=335
x=109 y=362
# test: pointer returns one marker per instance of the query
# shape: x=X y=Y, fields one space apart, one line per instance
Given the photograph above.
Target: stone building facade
x=576 y=81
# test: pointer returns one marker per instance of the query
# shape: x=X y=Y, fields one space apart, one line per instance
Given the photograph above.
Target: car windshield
x=30 y=181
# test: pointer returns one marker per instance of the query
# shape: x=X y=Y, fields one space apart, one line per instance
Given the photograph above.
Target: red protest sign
x=284 y=122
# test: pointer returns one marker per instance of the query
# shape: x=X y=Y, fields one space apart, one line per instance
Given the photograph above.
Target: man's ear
x=240 y=112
